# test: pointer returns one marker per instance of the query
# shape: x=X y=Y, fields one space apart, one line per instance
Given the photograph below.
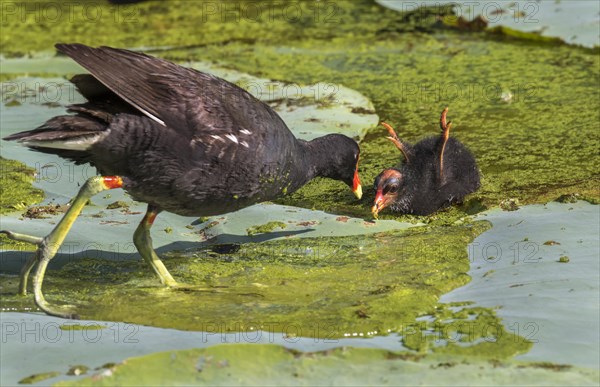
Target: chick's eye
x=393 y=188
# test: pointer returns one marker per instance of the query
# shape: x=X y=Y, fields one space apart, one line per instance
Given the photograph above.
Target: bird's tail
x=68 y=136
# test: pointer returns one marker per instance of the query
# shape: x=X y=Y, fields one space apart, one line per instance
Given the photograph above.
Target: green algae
x=78 y=370
x=26 y=26
x=16 y=192
x=117 y=204
x=476 y=326
x=410 y=68
x=327 y=288
x=44 y=211
x=510 y=204
x=276 y=365
x=310 y=284
x=13 y=102
x=519 y=156
x=508 y=34
x=564 y=259
x=263 y=228
x=39 y=377
x=173 y=24
x=79 y=327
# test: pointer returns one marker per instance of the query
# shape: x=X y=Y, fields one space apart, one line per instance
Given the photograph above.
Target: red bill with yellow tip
x=379 y=204
x=356 y=186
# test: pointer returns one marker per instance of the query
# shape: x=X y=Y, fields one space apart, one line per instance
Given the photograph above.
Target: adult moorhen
x=178 y=139
x=437 y=172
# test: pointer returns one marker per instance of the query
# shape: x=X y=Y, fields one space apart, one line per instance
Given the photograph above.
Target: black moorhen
x=178 y=139
x=437 y=172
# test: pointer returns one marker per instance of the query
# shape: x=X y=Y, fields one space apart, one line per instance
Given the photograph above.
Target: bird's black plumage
x=183 y=140
x=421 y=184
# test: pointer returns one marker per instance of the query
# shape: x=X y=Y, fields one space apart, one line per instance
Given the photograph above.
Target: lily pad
x=553 y=304
x=273 y=365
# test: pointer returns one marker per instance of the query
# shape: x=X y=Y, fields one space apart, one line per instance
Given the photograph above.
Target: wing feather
x=181 y=98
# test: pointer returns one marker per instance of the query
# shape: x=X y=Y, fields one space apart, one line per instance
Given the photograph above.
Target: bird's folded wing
x=181 y=98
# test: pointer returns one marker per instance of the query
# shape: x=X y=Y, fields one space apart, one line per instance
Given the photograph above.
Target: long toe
x=182 y=287
x=62 y=311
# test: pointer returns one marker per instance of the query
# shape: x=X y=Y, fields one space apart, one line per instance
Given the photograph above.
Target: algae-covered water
x=294 y=291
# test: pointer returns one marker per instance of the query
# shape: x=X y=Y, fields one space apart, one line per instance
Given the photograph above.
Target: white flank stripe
x=152 y=116
x=77 y=145
x=70 y=145
x=232 y=138
x=244 y=143
x=246 y=131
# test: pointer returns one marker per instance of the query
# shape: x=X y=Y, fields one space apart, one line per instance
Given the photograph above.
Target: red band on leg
x=150 y=216
x=112 y=182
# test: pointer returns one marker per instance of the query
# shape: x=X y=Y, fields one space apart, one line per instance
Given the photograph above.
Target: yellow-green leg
x=25 y=270
x=49 y=245
x=143 y=243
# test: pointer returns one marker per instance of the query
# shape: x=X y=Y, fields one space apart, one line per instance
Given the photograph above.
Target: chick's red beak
x=379 y=203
